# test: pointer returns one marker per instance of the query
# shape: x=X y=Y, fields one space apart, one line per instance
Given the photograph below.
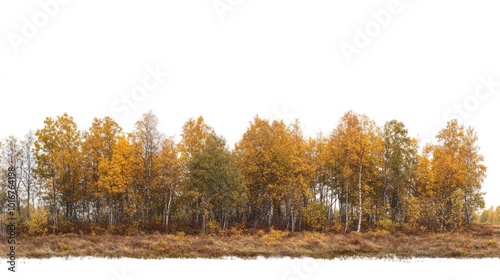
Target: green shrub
x=315 y=215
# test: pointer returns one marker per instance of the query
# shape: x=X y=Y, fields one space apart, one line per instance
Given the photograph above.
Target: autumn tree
x=485 y=214
x=273 y=158
x=58 y=153
x=299 y=172
x=195 y=134
x=356 y=147
x=216 y=183
x=475 y=173
x=457 y=175
x=20 y=155
x=213 y=185
x=424 y=190
x=28 y=168
x=168 y=186
x=147 y=147
x=98 y=145
x=496 y=218
x=490 y=215
x=116 y=182
x=323 y=186
x=13 y=156
x=400 y=158
x=255 y=160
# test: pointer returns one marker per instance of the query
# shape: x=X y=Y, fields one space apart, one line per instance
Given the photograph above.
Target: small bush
x=315 y=215
x=274 y=237
x=355 y=233
x=385 y=224
x=491 y=243
x=64 y=247
x=213 y=227
x=337 y=227
x=37 y=226
x=161 y=246
x=235 y=232
x=314 y=238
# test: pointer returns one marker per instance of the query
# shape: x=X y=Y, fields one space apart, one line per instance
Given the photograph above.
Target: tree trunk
x=204 y=225
x=270 y=215
x=167 y=214
x=346 y=209
x=28 y=202
x=54 y=212
x=360 y=217
x=97 y=210
x=18 y=197
x=111 y=218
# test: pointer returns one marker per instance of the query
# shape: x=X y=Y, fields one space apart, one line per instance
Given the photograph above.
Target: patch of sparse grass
x=479 y=242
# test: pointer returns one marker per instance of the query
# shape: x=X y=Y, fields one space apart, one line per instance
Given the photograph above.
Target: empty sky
x=419 y=62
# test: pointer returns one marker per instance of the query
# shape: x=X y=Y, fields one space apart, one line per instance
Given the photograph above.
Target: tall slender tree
x=28 y=167
x=169 y=180
x=58 y=154
x=148 y=147
x=400 y=157
x=356 y=145
x=98 y=146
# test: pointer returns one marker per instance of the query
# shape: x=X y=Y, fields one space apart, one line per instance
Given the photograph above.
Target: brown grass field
x=483 y=241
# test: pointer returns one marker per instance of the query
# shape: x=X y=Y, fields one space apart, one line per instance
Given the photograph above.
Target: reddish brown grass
x=479 y=242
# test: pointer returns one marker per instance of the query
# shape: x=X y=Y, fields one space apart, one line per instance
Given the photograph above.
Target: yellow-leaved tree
x=98 y=147
x=356 y=146
x=277 y=168
x=457 y=174
x=58 y=154
x=116 y=177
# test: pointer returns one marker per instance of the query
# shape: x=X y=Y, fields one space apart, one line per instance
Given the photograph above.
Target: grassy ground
x=483 y=241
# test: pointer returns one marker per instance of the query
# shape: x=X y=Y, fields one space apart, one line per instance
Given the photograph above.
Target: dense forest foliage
x=358 y=177
x=490 y=215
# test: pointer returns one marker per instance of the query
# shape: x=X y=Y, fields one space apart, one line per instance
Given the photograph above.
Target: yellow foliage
x=38 y=224
x=274 y=237
x=337 y=227
x=161 y=246
x=212 y=227
x=260 y=233
x=386 y=225
x=315 y=215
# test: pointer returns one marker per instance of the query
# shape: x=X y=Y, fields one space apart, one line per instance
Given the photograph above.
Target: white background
x=277 y=59
x=263 y=269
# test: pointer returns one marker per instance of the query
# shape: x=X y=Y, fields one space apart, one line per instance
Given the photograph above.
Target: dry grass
x=481 y=242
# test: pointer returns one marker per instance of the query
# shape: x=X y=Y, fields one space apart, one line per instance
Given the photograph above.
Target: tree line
x=490 y=215
x=358 y=177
